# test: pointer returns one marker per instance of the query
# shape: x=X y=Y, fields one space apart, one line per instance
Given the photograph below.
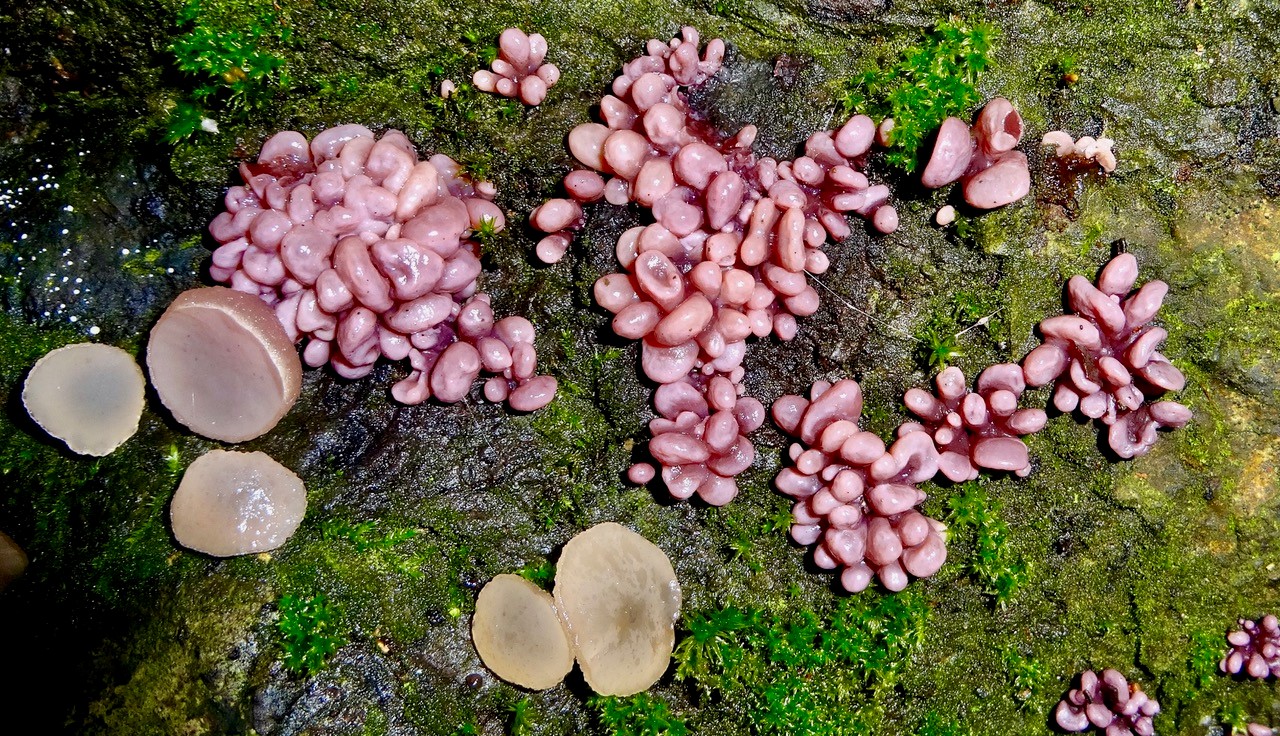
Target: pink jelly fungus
x=365 y=251
x=1254 y=649
x=991 y=173
x=519 y=71
x=1105 y=360
x=856 y=500
x=1110 y=704
x=726 y=257
x=976 y=430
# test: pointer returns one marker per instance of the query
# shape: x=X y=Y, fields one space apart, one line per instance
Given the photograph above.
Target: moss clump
x=795 y=672
x=233 y=50
x=309 y=630
x=638 y=715
x=993 y=560
x=931 y=82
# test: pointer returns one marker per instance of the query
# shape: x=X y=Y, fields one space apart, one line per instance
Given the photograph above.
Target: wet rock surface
x=1136 y=565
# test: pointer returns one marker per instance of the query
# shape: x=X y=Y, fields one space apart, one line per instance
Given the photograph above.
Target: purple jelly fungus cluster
x=1254 y=649
x=991 y=173
x=520 y=70
x=1085 y=149
x=856 y=500
x=1257 y=729
x=976 y=430
x=727 y=257
x=1110 y=704
x=367 y=252
x=1105 y=358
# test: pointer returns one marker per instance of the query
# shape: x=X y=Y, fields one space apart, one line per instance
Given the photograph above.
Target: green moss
x=638 y=715
x=932 y=81
x=993 y=561
x=309 y=629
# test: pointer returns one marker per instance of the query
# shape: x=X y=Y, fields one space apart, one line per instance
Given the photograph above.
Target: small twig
x=984 y=321
x=839 y=297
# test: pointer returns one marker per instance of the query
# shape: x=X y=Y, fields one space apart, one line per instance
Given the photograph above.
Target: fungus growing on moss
x=991 y=172
x=236 y=503
x=222 y=364
x=619 y=598
x=977 y=429
x=519 y=70
x=1083 y=149
x=856 y=501
x=1109 y=703
x=13 y=561
x=366 y=251
x=1254 y=648
x=734 y=239
x=519 y=635
x=88 y=395
x=1105 y=361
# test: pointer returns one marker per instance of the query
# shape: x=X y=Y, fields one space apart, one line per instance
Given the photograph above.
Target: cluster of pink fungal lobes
x=366 y=252
x=976 y=429
x=856 y=499
x=1110 y=704
x=1105 y=358
x=519 y=70
x=991 y=173
x=1254 y=648
x=725 y=258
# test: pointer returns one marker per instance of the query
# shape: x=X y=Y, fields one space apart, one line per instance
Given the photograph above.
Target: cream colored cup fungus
x=519 y=635
x=88 y=395
x=619 y=599
x=223 y=365
x=13 y=561
x=236 y=503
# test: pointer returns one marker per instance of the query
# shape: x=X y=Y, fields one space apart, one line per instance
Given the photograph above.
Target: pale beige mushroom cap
x=236 y=503
x=519 y=635
x=223 y=365
x=619 y=598
x=88 y=395
x=13 y=561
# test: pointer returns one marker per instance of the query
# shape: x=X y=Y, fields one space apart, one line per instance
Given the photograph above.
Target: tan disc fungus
x=13 y=561
x=223 y=365
x=519 y=635
x=619 y=598
x=88 y=395
x=236 y=503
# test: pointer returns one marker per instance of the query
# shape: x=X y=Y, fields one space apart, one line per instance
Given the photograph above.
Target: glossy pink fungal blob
x=1110 y=704
x=365 y=251
x=856 y=500
x=1105 y=358
x=520 y=70
x=992 y=174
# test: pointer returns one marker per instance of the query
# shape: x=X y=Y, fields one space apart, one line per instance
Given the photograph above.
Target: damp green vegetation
x=309 y=632
x=993 y=561
x=1088 y=562
x=798 y=671
x=638 y=715
x=932 y=81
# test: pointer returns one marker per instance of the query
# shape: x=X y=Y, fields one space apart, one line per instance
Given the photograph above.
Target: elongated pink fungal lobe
x=856 y=500
x=365 y=251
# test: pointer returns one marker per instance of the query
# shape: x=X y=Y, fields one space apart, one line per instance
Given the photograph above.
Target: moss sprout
x=309 y=630
x=993 y=562
x=638 y=715
x=932 y=81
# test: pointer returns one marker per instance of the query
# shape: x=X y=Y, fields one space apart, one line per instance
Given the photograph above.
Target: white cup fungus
x=88 y=395
x=519 y=635
x=236 y=503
